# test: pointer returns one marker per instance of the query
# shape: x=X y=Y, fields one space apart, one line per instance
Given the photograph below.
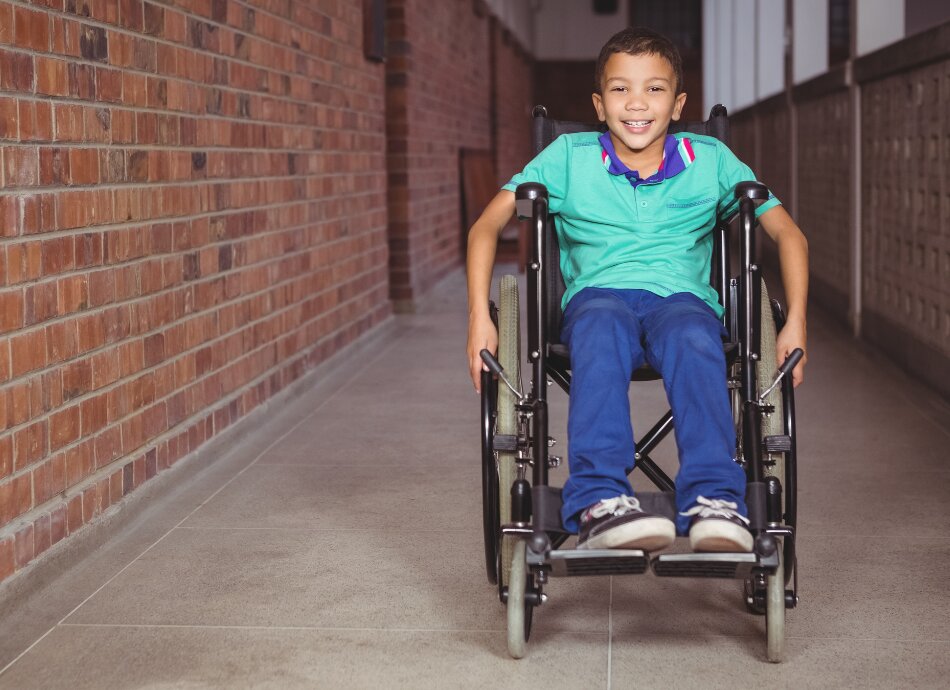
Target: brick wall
x=438 y=101
x=513 y=98
x=192 y=214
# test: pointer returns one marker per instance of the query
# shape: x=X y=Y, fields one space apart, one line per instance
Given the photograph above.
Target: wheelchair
x=523 y=535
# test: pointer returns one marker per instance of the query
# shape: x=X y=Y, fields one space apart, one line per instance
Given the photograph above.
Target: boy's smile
x=637 y=102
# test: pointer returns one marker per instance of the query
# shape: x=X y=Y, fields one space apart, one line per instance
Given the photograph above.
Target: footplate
x=723 y=565
x=576 y=562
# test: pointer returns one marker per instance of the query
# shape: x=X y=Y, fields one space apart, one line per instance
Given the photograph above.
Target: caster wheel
x=520 y=612
x=775 y=614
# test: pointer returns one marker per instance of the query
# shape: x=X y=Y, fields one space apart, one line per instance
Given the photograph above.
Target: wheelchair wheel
x=509 y=356
x=773 y=424
x=775 y=614
x=520 y=612
x=780 y=466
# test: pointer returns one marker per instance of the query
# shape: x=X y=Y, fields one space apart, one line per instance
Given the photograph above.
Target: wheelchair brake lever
x=495 y=367
x=790 y=363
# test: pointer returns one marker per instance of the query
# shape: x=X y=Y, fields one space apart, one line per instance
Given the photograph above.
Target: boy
x=635 y=210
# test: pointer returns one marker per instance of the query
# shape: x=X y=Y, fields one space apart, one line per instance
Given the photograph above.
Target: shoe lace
x=616 y=506
x=715 y=507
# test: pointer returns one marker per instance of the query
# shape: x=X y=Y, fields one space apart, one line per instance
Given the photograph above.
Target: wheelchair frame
x=532 y=527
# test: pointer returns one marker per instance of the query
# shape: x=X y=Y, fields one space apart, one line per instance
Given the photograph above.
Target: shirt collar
x=677 y=156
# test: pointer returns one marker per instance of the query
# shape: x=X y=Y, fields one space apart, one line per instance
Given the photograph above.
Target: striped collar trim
x=678 y=154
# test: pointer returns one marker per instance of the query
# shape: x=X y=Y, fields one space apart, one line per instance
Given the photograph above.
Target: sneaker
x=620 y=523
x=718 y=526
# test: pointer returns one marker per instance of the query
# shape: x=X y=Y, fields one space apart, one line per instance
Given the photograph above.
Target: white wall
x=518 y=17
x=744 y=54
x=770 y=79
x=743 y=51
x=569 y=29
x=879 y=22
x=810 y=49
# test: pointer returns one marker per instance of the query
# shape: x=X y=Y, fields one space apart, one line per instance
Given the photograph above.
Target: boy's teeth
x=638 y=123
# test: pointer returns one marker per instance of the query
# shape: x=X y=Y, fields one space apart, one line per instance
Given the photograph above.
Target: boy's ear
x=678 y=104
x=599 y=106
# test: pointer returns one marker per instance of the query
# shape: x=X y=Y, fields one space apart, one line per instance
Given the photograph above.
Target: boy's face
x=637 y=101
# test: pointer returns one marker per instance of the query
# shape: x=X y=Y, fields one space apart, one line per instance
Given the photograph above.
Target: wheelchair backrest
x=546 y=130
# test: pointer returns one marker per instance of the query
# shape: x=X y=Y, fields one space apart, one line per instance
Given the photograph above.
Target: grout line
x=280 y=627
x=205 y=502
x=372 y=530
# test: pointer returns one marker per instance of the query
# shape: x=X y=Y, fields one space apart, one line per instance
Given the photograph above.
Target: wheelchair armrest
x=756 y=191
x=525 y=195
x=752 y=190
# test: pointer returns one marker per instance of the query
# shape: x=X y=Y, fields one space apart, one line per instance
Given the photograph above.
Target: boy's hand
x=482 y=335
x=792 y=336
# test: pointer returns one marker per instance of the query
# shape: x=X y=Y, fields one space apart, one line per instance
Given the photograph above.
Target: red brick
x=7 y=558
x=21 y=164
x=41 y=534
x=68 y=122
x=23 y=546
x=31 y=29
x=23 y=493
x=74 y=514
x=11 y=310
x=93 y=415
x=64 y=428
x=57 y=524
x=9 y=118
x=90 y=504
x=54 y=166
x=83 y=166
x=62 y=339
x=29 y=445
x=28 y=351
x=51 y=76
x=6 y=445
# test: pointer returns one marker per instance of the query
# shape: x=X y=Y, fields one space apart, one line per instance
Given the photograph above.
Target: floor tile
x=286 y=659
x=350 y=579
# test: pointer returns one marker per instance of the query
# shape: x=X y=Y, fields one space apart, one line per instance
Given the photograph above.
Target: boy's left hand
x=790 y=337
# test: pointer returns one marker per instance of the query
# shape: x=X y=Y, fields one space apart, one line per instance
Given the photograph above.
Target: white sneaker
x=718 y=526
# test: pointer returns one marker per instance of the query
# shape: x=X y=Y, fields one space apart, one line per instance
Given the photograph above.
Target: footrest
x=723 y=565
x=575 y=562
x=777 y=444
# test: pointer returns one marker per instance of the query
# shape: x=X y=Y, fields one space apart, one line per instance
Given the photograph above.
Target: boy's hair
x=640 y=41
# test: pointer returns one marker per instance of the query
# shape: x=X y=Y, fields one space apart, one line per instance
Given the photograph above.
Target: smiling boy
x=635 y=209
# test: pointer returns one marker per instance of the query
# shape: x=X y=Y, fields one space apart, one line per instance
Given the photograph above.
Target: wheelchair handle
x=790 y=363
x=494 y=366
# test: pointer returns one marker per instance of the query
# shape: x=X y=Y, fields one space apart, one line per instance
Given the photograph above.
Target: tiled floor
x=337 y=544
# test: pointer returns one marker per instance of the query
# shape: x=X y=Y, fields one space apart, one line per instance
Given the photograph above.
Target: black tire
x=506 y=418
x=490 y=523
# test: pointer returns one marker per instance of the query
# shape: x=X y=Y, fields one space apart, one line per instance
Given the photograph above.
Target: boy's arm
x=793 y=258
x=482 y=243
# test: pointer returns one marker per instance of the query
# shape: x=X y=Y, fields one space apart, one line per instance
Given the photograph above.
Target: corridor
x=332 y=539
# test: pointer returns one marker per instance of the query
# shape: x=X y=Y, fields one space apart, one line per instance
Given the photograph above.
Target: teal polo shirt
x=618 y=230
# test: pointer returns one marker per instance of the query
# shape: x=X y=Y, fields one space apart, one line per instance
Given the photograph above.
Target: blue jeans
x=610 y=333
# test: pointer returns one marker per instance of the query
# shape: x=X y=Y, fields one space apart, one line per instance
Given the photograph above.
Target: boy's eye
x=619 y=88
x=655 y=88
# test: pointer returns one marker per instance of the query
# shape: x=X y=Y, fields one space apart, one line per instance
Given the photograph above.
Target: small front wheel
x=775 y=614
x=519 y=610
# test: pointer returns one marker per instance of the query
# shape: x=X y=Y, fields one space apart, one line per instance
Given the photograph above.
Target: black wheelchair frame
x=523 y=532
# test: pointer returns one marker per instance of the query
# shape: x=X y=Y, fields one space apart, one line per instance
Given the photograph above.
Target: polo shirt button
x=643 y=203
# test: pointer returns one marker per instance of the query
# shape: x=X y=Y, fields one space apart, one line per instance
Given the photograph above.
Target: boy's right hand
x=482 y=335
